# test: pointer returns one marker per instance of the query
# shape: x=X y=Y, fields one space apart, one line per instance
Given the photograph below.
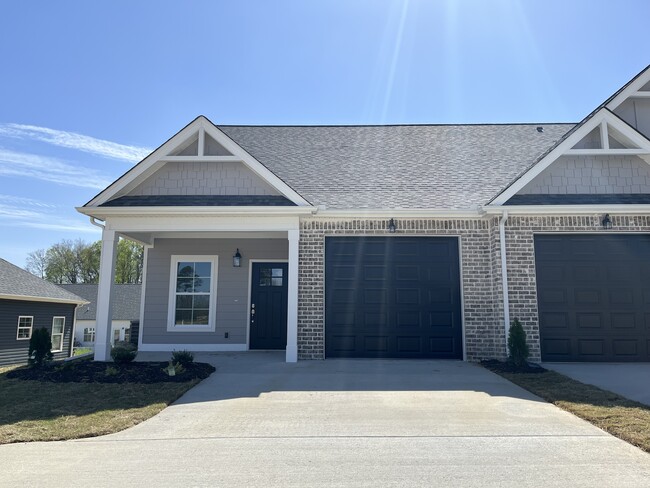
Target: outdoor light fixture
x=391 y=226
x=607 y=222
x=236 y=259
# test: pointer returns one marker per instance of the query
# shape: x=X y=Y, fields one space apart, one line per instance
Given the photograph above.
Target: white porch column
x=292 y=306
x=104 y=299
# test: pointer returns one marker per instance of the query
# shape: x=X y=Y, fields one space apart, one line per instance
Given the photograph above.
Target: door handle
x=252 y=313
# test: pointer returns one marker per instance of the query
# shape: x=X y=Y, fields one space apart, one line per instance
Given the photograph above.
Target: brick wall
x=522 y=283
x=483 y=329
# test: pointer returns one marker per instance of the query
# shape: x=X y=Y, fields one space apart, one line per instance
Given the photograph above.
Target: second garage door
x=593 y=293
x=393 y=297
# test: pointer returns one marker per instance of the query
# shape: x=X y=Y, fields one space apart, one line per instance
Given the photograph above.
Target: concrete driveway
x=631 y=380
x=260 y=422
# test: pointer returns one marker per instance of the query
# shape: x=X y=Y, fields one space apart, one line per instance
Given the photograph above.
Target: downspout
x=95 y=223
x=504 y=276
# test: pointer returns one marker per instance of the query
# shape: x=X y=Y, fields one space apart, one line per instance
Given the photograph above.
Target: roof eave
x=27 y=298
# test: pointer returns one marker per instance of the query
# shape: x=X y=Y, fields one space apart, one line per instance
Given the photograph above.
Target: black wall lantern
x=236 y=259
x=391 y=226
x=606 y=222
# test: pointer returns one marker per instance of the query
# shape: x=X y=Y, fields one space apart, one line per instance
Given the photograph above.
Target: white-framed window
x=192 y=293
x=89 y=334
x=25 y=324
x=58 y=325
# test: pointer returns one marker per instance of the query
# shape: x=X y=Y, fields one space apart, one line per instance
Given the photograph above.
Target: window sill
x=190 y=328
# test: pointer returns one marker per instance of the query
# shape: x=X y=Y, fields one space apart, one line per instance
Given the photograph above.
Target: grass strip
x=626 y=419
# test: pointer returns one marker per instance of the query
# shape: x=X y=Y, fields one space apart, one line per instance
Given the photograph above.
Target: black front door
x=268 y=313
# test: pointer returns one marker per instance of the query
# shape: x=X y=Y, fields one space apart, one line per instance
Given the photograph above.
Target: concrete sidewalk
x=631 y=380
x=261 y=422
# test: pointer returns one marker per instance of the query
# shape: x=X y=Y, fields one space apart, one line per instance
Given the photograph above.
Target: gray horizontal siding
x=13 y=351
x=232 y=287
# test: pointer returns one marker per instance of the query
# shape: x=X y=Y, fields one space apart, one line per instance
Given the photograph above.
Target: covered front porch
x=210 y=282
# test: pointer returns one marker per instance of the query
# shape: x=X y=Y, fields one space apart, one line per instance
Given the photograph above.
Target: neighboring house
x=418 y=241
x=126 y=309
x=27 y=303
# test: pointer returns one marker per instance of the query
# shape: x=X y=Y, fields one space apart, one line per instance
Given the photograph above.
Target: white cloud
x=26 y=212
x=49 y=169
x=76 y=141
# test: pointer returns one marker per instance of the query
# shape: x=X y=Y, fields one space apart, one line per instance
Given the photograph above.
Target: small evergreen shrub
x=123 y=352
x=40 y=347
x=517 y=347
x=182 y=357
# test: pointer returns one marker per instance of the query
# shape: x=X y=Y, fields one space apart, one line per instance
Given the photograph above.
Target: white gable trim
x=160 y=156
x=600 y=117
x=631 y=90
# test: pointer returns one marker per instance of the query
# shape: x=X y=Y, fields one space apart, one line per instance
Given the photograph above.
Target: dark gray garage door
x=392 y=297
x=593 y=293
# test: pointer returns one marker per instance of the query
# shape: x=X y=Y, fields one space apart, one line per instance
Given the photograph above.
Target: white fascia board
x=103 y=212
x=619 y=209
x=253 y=164
x=401 y=213
x=27 y=298
x=146 y=167
x=201 y=223
x=630 y=90
x=602 y=115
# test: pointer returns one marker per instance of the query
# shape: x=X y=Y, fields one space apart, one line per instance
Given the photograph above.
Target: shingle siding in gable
x=13 y=351
x=592 y=175
x=204 y=178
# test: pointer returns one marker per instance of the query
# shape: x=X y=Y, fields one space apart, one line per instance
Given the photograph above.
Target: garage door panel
x=625 y=347
x=589 y=320
x=585 y=273
x=408 y=318
x=441 y=319
x=591 y=347
x=554 y=320
x=407 y=305
x=587 y=296
x=553 y=296
x=607 y=314
x=623 y=320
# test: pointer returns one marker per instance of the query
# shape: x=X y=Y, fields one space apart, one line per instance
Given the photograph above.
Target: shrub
x=123 y=352
x=182 y=357
x=517 y=346
x=40 y=347
x=111 y=371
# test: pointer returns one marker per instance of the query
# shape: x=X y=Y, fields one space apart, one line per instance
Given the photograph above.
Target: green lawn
x=47 y=411
x=78 y=351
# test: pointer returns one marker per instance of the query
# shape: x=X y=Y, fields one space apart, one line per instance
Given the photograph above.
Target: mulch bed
x=508 y=367
x=104 y=372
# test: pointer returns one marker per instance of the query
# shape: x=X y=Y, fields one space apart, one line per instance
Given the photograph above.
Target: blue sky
x=88 y=87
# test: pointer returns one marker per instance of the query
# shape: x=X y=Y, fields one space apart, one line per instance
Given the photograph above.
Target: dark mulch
x=104 y=372
x=509 y=367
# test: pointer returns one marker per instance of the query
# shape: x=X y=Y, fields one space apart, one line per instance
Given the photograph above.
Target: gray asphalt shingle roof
x=21 y=285
x=411 y=166
x=125 y=301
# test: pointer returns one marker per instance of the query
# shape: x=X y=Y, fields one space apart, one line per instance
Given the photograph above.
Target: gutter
x=102 y=212
x=504 y=276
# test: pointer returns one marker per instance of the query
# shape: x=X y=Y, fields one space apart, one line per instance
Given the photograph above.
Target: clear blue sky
x=88 y=86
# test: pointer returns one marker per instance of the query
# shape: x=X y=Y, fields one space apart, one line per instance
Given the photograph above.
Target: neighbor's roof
x=125 y=301
x=404 y=166
x=18 y=284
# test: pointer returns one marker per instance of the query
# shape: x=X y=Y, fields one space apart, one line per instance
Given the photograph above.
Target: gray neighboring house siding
x=14 y=351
